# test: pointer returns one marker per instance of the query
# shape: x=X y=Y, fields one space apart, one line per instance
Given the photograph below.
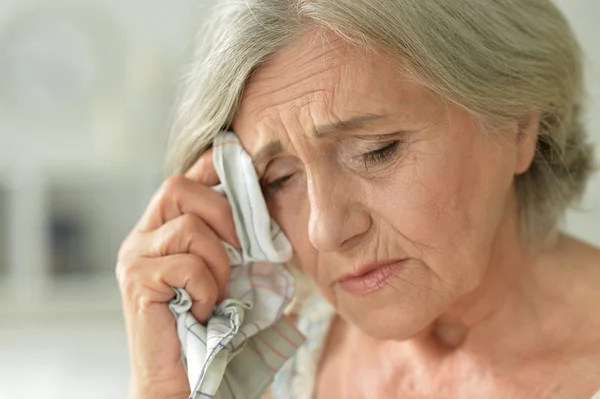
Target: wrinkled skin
x=443 y=197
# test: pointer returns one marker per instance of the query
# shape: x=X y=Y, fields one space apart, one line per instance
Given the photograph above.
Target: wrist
x=157 y=395
x=154 y=392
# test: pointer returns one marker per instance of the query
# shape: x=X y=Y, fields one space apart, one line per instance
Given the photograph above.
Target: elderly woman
x=420 y=156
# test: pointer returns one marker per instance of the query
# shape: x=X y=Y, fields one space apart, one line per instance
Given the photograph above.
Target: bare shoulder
x=569 y=277
x=586 y=264
x=576 y=265
x=582 y=275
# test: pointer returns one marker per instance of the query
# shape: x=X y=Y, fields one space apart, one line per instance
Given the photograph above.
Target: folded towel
x=248 y=338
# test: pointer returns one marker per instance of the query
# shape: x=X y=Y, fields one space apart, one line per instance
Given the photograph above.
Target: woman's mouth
x=373 y=279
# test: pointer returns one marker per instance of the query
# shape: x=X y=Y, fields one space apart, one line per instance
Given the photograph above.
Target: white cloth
x=298 y=377
x=248 y=338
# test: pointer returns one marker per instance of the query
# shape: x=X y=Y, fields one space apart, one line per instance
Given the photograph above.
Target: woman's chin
x=387 y=324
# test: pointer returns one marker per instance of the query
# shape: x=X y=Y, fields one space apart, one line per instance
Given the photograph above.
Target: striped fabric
x=248 y=338
x=297 y=378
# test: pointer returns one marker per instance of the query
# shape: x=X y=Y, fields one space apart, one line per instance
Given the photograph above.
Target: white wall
x=64 y=338
x=98 y=151
x=63 y=359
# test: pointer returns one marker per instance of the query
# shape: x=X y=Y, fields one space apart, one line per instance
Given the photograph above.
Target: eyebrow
x=273 y=148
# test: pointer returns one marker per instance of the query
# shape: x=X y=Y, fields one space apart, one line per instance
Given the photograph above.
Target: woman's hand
x=176 y=243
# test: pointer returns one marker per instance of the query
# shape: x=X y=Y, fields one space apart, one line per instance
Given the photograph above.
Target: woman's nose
x=335 y=214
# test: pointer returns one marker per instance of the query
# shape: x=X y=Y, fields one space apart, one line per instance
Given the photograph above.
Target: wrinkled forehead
x=319 y=79
x=318 y=64
x=313 y=66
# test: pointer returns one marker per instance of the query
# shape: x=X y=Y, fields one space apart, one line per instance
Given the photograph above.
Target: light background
x=85 y=91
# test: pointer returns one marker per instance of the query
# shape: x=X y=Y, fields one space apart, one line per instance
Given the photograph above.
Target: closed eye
x=375 y=157
x=277 y=184
x=381 y=155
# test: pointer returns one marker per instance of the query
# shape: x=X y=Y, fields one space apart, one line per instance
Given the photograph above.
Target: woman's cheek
x=289 y=208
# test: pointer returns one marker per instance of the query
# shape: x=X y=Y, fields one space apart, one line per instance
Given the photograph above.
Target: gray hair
x=498 y=59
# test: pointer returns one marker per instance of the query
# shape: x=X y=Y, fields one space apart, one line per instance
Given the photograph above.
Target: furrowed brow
x=274 y=148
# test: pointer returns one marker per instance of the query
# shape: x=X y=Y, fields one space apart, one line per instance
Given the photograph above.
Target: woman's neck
x=530 y=304
x=534 y=309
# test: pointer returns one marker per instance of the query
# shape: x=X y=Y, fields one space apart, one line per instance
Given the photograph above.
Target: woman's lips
x=372 y=281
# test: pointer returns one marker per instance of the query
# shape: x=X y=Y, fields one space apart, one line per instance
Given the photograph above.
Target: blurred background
x=86 y=90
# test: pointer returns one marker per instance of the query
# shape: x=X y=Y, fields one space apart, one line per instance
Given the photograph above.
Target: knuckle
x=128 y=274
x=119 y=272
x=124 y=251
x=170 y=189
x=143 y=303
x=168 y=245
x=209 y=296
x=127 y=248
x=199 y=275
x=173 y=184
x=190 y=223
x=180 y=238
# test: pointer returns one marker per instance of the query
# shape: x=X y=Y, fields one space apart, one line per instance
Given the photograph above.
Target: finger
x=186 y=271
x=192 y=274
x=189 y=234
x=203 y=170
x=179 y=196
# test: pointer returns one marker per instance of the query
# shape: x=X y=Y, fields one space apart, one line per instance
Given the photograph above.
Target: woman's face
x=411 y=177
